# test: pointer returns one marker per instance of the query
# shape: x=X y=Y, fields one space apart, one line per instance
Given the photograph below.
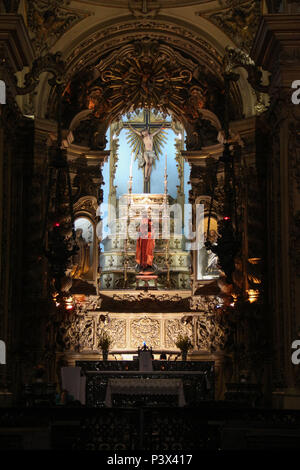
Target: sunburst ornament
x=145 y=75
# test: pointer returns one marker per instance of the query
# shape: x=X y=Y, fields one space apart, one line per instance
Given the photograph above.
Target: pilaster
x=277 y=49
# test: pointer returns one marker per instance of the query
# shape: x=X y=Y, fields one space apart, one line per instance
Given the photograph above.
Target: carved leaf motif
x=211 y=336
x=174 y=328
x=117 y=331
x=145 y=329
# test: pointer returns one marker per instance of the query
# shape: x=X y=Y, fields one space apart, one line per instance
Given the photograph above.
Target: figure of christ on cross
x=146 y=130
x=148 y=154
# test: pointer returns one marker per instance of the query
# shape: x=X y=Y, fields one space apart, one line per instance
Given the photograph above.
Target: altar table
x=144 y=387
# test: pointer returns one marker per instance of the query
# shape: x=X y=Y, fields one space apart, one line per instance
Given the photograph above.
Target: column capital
x=198 y=157
x=16 y=48
x=277 y=48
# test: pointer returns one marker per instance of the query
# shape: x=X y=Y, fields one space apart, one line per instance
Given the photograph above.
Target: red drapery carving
x=145 y=244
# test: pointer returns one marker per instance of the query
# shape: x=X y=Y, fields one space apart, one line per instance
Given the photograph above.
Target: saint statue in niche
x=207 y=260
x=145 y=246
x=81 y=260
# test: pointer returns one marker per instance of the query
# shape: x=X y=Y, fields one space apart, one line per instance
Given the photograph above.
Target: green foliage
x=104 y=341
x=183 y=343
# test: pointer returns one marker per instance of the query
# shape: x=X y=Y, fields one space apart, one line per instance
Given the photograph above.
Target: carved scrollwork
x=51 y=63
x=174 y=328
x=86 y=334
x=235 y=57
x=86 y=204
x=210 y=334
x=92 y=304
x=145 y=329
x=147 y=73
x=205 y=304
x=117 y=331
x=147 y=296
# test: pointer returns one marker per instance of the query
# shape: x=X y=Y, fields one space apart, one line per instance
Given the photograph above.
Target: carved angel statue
x=147 y=147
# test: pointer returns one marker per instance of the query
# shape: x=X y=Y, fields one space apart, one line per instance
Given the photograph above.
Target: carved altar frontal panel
x=210 y=335
x=117 y=331
x=128 y=330
x=86 y=330
x=145 y=329
x=175 y=327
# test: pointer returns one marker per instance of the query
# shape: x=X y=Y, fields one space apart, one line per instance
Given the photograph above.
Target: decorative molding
x=205 y=304
x=108 y=38
x=147 y=296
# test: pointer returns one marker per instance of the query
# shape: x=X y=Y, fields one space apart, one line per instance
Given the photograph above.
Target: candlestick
x=131 y=165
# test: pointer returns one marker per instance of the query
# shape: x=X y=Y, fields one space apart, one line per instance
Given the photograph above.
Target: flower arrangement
x=104 y=341
x=183 y=343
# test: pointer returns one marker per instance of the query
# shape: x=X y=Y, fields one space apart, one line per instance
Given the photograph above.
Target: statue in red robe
x=145 y=245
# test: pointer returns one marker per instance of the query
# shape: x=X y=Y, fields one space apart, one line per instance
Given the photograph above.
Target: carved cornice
x=277 y=39
x=93 y=158
x=14 y=42
x=198 y=157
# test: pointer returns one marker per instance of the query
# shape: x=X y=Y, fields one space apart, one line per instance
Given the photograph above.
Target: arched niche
x=207 y=269
x=83 y=262
x=85 y=228
x=204 y=262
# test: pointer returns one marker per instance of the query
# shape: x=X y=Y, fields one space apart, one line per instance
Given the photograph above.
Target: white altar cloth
x=142 y=386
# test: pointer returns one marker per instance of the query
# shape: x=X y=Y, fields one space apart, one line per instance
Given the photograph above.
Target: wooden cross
x=147 y=122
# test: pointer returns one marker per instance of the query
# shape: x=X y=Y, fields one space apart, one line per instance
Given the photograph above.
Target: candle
x=131 y=165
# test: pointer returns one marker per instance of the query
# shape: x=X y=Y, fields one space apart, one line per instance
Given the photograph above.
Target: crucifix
x=146 y=130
